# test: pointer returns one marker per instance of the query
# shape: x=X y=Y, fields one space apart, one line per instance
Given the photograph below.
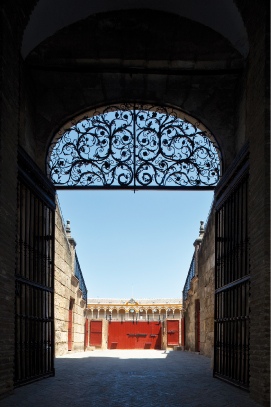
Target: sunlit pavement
x=130 y=378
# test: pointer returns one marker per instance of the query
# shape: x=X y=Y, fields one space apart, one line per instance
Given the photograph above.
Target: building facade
x=134 y=324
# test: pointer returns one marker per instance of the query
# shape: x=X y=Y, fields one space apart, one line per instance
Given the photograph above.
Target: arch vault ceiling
x=49 y=16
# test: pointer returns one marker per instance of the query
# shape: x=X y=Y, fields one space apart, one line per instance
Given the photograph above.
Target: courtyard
x=130 y=378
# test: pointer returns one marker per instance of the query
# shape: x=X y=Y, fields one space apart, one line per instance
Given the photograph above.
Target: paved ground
x=130 y=378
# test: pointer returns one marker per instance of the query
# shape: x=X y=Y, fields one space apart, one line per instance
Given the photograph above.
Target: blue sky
x=140 y=243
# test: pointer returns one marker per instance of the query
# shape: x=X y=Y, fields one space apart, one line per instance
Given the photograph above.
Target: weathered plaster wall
x=66 y=288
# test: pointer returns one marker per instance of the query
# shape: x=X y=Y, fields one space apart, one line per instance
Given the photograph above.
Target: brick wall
x=256 y=17
x=9 y=101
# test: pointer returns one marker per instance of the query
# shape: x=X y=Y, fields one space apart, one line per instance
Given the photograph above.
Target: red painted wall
x=134 y=335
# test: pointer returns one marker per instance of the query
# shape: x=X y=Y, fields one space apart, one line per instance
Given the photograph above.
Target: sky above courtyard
x=138 y=244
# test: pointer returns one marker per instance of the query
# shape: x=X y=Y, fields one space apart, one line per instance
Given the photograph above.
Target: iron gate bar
x=236 y=282
x=232 y=280
x=34 y=279
x=41 y=286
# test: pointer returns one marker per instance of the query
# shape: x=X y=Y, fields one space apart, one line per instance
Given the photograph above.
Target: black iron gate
x=232 y=281
x=34 y=303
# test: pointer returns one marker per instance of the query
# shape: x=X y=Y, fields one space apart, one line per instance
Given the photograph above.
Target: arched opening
x=177 y=313
x=134 y=146
x=102 y=313
x=122 y=314
x=114 y=314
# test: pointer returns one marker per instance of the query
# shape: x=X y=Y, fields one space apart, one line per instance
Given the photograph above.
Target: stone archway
x=241 y=116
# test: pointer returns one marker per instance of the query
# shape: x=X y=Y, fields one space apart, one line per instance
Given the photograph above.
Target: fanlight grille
x=135 y=146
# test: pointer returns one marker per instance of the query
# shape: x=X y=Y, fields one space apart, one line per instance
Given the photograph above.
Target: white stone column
x=92 y=313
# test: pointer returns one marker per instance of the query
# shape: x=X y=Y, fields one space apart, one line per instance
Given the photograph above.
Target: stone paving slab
x=130 y=378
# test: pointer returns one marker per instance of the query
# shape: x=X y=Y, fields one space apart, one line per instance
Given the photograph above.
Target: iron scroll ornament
x=134 y=146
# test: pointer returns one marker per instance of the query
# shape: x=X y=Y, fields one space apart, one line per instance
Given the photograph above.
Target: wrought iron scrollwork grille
x=134 y=146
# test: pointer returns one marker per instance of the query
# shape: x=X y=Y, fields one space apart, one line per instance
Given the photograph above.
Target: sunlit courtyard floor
x=130 y=378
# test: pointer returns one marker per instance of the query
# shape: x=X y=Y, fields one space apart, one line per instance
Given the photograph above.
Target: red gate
x=173 y=332
x=95 y=338
x=134 y=335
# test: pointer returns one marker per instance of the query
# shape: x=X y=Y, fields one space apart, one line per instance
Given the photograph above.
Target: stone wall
x=202 y=289
x=66 y=289
x=9 y=103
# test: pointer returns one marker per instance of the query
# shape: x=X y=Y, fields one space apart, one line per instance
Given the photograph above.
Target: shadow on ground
x=117 y=378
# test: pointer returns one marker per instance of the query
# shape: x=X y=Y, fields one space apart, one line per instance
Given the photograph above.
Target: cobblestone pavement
x=130 y=378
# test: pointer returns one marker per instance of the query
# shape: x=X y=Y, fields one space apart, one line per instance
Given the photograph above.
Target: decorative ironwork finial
x=68 y=228
x=201 y=229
